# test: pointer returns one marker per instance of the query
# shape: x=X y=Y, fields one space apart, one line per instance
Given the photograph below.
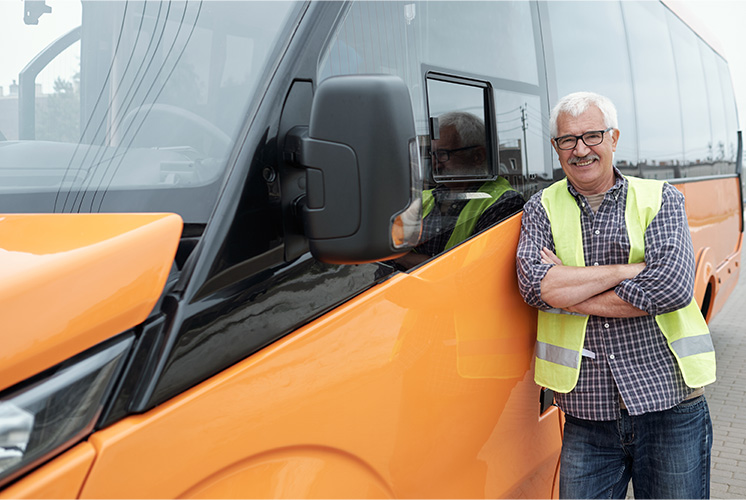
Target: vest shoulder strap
x=564 y=218
x=643 y=203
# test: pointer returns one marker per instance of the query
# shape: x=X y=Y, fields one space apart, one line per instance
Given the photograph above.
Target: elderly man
x=608 y=261
x=463 y=203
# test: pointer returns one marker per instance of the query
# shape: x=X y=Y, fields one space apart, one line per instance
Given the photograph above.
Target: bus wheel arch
x=708 y=299
x=316 y=472
x=705 y=287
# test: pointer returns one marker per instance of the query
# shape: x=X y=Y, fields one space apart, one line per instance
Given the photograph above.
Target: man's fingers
x=548 y=257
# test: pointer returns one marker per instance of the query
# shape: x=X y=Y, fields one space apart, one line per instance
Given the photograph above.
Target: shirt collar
x=618 y=183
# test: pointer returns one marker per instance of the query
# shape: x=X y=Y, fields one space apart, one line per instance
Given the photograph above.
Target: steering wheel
x=164 y=114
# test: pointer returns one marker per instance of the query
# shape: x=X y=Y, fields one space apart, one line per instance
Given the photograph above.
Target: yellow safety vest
x=561 y=334
x=467 y=219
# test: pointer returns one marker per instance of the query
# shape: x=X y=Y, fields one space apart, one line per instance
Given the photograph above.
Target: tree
x=58 y=114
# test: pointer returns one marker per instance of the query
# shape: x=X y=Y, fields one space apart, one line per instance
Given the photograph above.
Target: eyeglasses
x=443 y=155
x=592 y=138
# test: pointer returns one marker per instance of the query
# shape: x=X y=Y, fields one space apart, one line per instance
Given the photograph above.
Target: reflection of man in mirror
x=460 y=150
x=467 y=203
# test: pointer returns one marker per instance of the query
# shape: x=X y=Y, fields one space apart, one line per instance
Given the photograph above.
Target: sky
x=724 y=19
x=20 y=42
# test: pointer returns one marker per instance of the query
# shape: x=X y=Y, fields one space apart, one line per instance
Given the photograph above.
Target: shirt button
x=596 y=232
x=606 y=325
x=611 y=356
x=595 y=263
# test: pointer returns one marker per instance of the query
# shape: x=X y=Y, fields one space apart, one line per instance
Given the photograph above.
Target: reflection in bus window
x=718 y=151
x=445 y=96
x=611 y=73
x=494 y=39
x=695 y=111
x=521 y=140
x=464 y=197
x=731 y=117
x=656 y=91
x=140 y=114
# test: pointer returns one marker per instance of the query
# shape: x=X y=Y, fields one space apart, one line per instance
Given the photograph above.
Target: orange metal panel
x=714 y=211
x=61 y=478
x=70 y=281
x=421 y=387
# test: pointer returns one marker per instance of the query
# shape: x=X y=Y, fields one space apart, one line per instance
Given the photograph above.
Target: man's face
x=588 y=168
x=461 y=160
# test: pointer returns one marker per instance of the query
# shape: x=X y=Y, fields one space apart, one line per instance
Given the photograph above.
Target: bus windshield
x=128 y=106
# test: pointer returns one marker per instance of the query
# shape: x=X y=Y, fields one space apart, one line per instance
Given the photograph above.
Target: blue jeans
x=665 y=453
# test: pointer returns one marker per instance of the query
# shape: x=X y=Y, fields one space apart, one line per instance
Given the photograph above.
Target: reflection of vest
x=467 y=219
x=561 y=335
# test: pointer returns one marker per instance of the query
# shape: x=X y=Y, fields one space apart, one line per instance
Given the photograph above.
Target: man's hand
x=548 y=257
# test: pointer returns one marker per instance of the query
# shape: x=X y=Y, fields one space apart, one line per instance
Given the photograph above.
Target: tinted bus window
x=656 y=92
x=488 y=38
x=478 y=38
x=458 y=43
x=591 y=55
x=731 y=115
x=695 y=107
x=717 y=107
x=521 y=123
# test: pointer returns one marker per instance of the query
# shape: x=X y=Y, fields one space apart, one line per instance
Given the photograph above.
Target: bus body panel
x=61 y=478
x=116 y=264
x=402 y=391
x=714 y=222
x=404 y=384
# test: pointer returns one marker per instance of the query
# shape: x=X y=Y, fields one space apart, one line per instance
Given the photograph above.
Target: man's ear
x=554 y=145
x=614 y=138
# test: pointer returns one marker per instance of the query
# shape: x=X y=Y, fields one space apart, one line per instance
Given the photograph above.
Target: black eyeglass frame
x=435 y=154
x=582 y=138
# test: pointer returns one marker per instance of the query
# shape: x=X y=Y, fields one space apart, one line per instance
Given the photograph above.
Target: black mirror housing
x=362 y=171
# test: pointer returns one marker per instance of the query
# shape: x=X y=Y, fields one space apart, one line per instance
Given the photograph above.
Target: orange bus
x=233 y=262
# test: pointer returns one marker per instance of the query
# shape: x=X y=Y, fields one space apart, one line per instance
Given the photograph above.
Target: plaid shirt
x=632 y=356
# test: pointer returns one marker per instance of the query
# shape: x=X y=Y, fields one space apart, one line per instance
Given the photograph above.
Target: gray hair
x=577 y=103
x=470 y=128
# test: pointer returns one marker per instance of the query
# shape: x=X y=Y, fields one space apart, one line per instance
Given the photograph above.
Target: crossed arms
x=664 y=283
x=588 y=290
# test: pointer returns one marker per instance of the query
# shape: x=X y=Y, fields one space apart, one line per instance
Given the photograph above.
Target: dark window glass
x=493 y=39
x=695 y=107
x=656 y=90
x=731 y=115
x=452 y=40
x=718 y=149
x=522 y=138
x=453 y=162
x=590 y=54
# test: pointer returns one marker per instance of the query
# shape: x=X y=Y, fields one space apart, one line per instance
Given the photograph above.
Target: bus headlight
x=52 y=411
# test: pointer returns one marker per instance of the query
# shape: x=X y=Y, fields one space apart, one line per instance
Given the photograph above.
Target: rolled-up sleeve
x=536 y=234
x=667 y=282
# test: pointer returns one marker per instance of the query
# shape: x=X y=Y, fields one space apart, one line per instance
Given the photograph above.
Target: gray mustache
x=574 y=159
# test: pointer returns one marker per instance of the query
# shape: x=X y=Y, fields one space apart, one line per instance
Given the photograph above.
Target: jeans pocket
x=690 y=405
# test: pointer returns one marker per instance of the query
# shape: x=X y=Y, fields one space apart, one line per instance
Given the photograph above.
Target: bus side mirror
x=363 y=175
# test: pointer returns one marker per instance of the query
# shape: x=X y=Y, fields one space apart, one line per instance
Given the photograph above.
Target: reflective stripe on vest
x=560 y=337
x=467 y=219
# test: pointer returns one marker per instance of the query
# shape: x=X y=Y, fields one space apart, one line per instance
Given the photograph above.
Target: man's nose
x=581 y=149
